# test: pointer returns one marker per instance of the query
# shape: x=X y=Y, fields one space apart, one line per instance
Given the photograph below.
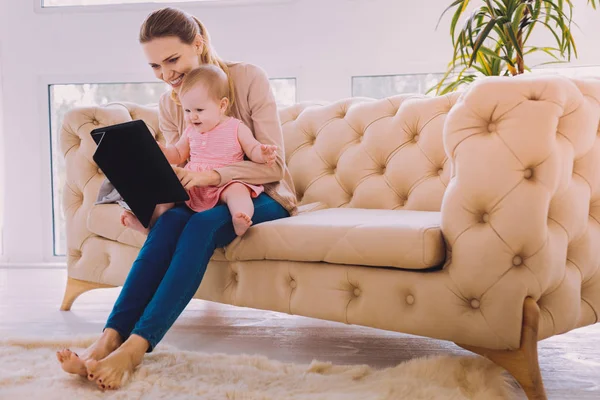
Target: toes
x=91 y=366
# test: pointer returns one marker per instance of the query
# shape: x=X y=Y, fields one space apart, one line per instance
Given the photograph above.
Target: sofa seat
x=382 y=238
x=391 y=238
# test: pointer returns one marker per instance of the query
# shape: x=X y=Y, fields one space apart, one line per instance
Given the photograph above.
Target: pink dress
x=210 y=150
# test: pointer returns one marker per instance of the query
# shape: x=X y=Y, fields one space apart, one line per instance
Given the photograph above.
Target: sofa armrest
x=524 y=171
x=82 y=178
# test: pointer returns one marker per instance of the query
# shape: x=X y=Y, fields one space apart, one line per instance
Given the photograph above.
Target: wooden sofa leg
x=76 y=288
x=522 y=363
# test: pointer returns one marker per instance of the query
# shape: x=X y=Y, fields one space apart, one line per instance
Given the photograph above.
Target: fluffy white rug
x=29 y=370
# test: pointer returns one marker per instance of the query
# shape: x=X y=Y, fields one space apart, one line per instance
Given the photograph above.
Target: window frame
x=353 y=77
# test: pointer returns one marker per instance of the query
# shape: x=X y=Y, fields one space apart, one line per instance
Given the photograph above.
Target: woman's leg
x=202 y=235
x=238 y=198
x=143 y=279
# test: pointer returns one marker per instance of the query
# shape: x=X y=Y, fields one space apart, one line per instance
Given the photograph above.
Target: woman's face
x=171 y=59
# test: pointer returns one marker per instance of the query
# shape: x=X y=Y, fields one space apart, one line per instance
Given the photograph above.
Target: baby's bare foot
x=241 y=223
x=129 y=220
x=115 y=370
x=72 y=363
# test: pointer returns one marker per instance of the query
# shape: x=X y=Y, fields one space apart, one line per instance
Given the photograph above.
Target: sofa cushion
x=384 y=238
x=104 y=220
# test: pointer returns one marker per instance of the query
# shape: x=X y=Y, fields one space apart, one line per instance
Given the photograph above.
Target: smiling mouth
x=176 y=81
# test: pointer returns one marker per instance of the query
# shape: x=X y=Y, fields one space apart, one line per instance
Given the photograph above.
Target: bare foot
x=115 y=370
x=241 y=223
x=129 y=220
x=72 y=363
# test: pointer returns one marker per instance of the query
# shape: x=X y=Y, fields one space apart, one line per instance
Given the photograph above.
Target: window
x=381 y=86
x=61 y=3
x=66 y=96
x=571 y=72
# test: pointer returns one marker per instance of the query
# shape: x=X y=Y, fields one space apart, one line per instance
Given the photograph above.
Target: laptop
x=132 y=161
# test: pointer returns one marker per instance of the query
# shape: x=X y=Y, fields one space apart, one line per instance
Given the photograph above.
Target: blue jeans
x=171 y=264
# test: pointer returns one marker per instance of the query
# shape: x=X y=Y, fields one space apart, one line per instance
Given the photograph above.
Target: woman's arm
x=267 y=130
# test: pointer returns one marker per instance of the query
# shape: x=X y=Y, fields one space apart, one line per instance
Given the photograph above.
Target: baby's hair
x=213 y=78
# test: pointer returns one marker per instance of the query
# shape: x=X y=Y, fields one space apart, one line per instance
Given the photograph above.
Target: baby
x=212 y=139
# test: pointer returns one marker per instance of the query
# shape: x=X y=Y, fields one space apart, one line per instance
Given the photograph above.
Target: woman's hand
x=191 y=179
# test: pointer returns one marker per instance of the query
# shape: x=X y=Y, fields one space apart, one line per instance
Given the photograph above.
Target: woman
x=174 y=257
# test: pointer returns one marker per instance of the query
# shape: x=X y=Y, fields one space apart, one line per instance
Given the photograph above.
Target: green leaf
x=482 y=36
x=457 y=2
x=518 y=16
x=513 y=39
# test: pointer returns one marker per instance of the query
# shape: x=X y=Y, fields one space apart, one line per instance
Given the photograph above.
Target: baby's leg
x=129 y=220
x=238 y=200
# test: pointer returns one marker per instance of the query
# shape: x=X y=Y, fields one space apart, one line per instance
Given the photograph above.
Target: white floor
x=30 y=299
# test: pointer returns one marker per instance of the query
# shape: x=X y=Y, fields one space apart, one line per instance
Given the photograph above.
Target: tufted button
x=99 y=171
x=356 y=292
x=440 y=171
x=517 y=260
x=236 y=277
x=382 y=169
x=528 y=173
x=491 y=127
x=485 y=218
x=402 y=201
x=410 y=300
x=333 y=170
x=416 y=137
x=475 y=303
x=293 y=284
x=95 y=122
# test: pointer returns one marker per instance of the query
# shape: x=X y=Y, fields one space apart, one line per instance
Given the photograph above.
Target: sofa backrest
x=367 y=153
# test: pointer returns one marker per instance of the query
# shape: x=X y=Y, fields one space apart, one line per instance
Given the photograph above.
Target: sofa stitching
x=492 y=330
x=465 y=230
x=314 y=180
x=551 y=292
x=559 y=133
x=506 y=195
x=378 y=119
x=390 y=186
x=592 y=307
x=326 y=256
x=594 y=218
x=579 y=269
x=584 y=179
x=510 y=149
x=561 y=226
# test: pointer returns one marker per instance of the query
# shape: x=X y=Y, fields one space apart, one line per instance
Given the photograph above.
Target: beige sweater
x=255 y=105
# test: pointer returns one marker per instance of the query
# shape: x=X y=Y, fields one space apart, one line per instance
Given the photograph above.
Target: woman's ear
x=198 y=44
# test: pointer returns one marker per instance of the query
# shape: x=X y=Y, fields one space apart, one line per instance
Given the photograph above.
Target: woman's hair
x=170 y=21
x=211 y=77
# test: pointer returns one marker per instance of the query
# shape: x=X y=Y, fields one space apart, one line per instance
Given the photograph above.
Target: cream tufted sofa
x=470 y=217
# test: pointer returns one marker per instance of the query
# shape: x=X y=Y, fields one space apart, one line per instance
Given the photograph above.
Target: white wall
x=320 y=42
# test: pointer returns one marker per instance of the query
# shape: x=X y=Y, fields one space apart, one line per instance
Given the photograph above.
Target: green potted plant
x=494 y=38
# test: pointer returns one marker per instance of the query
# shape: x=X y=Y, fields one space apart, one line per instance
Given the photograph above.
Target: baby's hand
x=268 y=153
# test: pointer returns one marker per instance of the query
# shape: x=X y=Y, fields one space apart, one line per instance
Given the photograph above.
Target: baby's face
x=201 y=111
